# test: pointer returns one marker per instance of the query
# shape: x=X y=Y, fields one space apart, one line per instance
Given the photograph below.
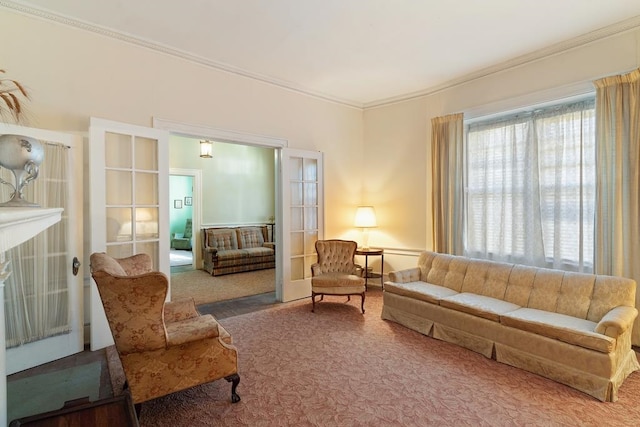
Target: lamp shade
x=365 y=217
x=206 y=149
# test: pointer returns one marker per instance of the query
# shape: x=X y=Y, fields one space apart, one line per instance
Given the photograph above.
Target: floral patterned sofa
x=573 y=328
x=228 y=250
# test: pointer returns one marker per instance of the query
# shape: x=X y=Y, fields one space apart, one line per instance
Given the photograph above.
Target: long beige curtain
x=617 y=240
x=447 y=154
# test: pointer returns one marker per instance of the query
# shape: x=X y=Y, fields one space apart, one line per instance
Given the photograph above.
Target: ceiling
x=358 y=52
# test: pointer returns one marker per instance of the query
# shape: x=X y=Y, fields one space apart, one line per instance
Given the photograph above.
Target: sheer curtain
x=36 y=293
x=531 y=188
x=447 y=154
x=618 y=201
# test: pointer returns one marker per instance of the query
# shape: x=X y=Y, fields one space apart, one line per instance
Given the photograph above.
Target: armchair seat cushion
x=192 y=329
x=337 y=280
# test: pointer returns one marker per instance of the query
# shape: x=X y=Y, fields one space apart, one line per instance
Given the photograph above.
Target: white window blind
x=530 y=187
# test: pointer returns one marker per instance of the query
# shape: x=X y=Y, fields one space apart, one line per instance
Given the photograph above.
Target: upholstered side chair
x=164 y=347
x=336 y=273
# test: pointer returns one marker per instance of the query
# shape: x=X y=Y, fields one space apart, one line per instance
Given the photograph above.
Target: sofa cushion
x=419 y=290
x=448 y=270
x=260 y=251
x=479 y=305
x=558 y=326
x=249 y=237
x=487 y=278
x=575 y=294
x=222 y=239
x=520 y=284
x=608 y=293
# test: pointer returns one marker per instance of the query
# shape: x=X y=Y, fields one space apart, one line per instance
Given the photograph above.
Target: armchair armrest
x=405 y=276
x=182 y=309
x=190 y=330
x=315 y=269
x=617 y=321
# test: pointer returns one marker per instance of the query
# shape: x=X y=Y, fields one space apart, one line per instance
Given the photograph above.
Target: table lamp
x=365 y=219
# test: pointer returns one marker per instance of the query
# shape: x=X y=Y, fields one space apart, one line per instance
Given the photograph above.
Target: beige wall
x=398 y=136
x=75 y=74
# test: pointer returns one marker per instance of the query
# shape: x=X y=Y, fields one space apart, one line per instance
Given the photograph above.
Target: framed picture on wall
x=188 y=201
x=177 y=204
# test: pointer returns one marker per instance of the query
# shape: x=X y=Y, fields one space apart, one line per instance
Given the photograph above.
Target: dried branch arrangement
x=11 y=91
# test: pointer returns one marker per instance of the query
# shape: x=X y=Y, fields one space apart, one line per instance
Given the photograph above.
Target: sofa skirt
x=592 y=372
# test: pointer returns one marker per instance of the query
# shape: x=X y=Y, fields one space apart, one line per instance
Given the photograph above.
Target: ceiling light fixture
x=206 y=149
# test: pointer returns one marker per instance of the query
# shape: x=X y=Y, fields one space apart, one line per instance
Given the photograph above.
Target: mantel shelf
x=17 y=225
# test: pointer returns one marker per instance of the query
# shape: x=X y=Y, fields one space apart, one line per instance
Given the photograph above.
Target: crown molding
x=158 y=47
x=602 y=33
x=611 y=30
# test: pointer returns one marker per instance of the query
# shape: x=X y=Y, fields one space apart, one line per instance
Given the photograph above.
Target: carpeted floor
x=205 y=288
x=338 y=367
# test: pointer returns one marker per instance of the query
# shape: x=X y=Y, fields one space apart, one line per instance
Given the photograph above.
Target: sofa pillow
x=249 y=237
x=222 y=238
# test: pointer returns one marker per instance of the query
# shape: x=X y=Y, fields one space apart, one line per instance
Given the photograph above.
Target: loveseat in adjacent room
x=574 y=328
x=228 y=250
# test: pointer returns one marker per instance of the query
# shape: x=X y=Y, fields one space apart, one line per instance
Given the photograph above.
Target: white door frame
x=197 y=131
x=56 y=347
x=196 y=219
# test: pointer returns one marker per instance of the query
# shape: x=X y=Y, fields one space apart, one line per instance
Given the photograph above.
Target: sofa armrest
x=210 y=250
x=617 y=321
x=270 y=245
x=181 y=309
x=405 y=276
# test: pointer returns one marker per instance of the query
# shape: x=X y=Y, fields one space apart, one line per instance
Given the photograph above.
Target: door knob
x=76 y=265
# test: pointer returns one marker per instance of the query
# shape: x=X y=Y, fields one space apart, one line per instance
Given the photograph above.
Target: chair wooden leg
x=362 y=305
x=313 y=302
x=234 y=380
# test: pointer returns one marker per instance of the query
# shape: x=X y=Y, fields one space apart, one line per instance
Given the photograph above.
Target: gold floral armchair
x=164 y=347
x=336 y=273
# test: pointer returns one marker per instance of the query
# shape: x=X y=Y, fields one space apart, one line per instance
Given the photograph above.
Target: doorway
x=182 y=248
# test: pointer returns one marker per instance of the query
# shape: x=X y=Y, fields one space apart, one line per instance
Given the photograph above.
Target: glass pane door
x=129 y=167
x=302 y=218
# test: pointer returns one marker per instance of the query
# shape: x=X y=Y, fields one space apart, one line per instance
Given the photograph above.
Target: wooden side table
x=372 y=252
x=114 y=411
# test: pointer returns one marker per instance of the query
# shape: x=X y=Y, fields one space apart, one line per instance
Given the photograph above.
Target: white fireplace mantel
x=17 y=225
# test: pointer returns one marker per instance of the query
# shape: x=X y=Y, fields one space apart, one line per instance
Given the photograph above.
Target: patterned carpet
x=338 y=367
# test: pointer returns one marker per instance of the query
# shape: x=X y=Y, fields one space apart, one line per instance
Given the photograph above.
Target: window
x=530 y=187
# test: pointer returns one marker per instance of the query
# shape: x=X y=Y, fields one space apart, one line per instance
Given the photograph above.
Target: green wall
x=179 y=188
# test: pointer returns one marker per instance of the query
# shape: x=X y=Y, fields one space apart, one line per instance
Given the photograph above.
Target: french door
x=129 y=169
x=302 y=215
x=38 y=304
